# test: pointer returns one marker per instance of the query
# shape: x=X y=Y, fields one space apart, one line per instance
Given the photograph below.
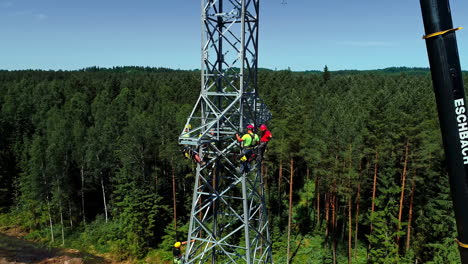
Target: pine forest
x=355 y=171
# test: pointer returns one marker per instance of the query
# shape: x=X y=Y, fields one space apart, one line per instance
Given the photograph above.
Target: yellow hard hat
x=177 y=244
x=189 y=126
x=243 y=158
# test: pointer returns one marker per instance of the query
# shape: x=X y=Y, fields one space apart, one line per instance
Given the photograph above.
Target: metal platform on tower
x=229 y=221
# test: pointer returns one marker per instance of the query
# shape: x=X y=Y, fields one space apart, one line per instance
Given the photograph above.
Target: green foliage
x=445 y=252
x=326 y=74
x=170 y=237
x=100 y=236
x=382 y=239
x=141 y=215
x=303 y=213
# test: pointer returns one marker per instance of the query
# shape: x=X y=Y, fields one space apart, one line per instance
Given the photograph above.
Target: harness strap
x=252 y=145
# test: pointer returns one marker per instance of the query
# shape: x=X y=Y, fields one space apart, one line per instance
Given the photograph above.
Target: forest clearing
x=14 y=249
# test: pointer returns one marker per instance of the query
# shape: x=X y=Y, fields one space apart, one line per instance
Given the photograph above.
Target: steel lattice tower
x=228 y=222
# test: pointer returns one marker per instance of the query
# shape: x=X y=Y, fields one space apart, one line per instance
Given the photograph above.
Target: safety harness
x=252 y=143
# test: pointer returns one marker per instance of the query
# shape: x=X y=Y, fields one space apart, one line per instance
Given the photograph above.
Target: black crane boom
x=451 y=105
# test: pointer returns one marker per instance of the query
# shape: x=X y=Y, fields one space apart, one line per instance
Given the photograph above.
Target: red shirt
x=266 y=136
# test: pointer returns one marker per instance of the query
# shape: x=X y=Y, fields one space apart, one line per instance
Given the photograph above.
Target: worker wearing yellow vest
x=248 y=142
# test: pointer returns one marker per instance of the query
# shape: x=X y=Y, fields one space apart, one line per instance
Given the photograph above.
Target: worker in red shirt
x=265 y=136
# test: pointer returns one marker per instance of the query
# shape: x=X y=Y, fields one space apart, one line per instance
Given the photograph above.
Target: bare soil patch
x=15 y=249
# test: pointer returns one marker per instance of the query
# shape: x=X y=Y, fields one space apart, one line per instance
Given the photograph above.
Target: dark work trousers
x=245 y=165
x=261 y=150
x=177 y=255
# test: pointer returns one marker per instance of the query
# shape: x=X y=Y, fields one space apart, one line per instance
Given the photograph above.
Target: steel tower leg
x=229 y=220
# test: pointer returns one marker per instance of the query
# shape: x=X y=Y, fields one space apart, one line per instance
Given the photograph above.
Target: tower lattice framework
x=228 y=221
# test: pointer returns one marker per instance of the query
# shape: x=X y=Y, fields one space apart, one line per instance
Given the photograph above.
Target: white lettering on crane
x=460 y=110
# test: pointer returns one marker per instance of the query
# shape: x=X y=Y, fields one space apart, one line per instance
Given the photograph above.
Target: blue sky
x=302 y=34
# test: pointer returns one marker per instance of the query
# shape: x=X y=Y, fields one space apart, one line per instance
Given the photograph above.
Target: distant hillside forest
x=87 y=160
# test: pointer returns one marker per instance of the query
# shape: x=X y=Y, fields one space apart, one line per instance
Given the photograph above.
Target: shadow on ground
x=16 y=250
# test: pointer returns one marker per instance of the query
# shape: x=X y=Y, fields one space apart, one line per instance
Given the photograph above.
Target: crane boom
x=451 y=105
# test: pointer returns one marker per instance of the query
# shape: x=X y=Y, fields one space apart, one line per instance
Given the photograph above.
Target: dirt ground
x=15 y=249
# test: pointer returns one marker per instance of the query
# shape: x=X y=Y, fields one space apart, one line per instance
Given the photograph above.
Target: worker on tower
x=177 y=253
x=187 y=130
x=187 y=151
x=248 y=142
x=190 y=153
x=265 y=136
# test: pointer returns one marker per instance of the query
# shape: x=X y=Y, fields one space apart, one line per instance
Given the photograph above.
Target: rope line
x=441 y=32
x=460 y=244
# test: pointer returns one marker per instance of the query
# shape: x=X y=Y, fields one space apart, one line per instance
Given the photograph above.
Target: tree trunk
x=104 y=197
x=374 y=188
x=142 y=163
x=410 y=217
x=61 y=216
x=156 y=176
x=358 y=198
x=70 y=213
x=350 y=230
x=103 y=191
x=48 y=203
x=82 y=194
x=334 y=224
x=333 y=205
x=334 y=250
x=290 y=210
x=327 y=214
x=307 y=197
x=343 y=228
x=317 y=191
x=61 y=222
x=402 y=196
x=174 y=194
x=280 y=177
x=318 y=210
x=50 y=220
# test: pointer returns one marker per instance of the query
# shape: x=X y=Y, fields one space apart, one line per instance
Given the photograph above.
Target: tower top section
x=228 y=100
